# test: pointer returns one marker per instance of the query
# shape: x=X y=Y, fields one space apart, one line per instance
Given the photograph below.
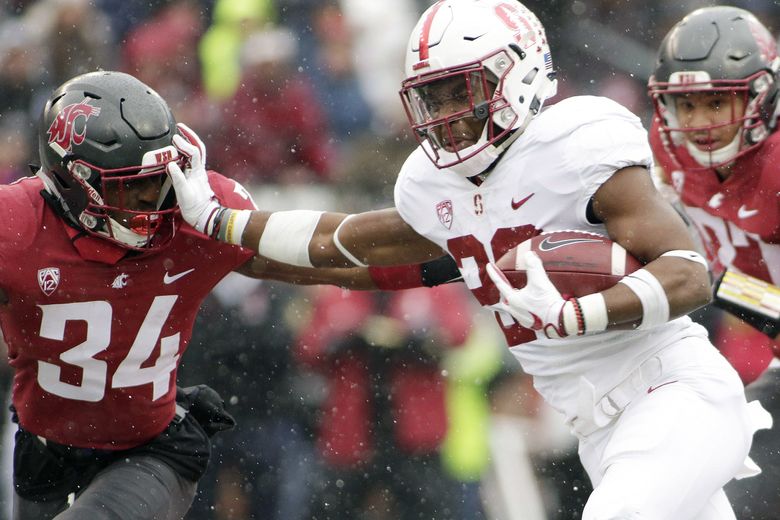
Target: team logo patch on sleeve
x=48 y=279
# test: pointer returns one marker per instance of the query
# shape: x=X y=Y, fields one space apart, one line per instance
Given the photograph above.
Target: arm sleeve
x=429 y=274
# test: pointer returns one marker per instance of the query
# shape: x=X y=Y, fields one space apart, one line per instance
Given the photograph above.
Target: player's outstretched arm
x=302 y=238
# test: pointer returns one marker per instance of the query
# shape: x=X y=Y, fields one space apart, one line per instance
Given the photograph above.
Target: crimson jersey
x=739 y=218
x=95 y=335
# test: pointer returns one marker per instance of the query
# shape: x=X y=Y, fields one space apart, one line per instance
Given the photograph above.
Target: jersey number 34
x=130 y=371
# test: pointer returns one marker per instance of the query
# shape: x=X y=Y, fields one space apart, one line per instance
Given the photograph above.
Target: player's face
x=454 y=98
x=134 y=196
x=712 y=119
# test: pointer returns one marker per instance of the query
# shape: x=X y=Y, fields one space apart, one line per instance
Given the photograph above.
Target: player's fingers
x=192 y=137
x=187 y=148
x=499 y=279
x=537 y=276
x=176 y=175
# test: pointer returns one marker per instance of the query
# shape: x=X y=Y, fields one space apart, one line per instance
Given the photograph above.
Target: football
x=577 y=262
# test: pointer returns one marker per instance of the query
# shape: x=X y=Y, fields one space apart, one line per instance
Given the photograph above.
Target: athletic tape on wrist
x=693 y=256
x=236 y=223
x=655 y=304
x=343 y=250
x=594 y=312
x=287 y=235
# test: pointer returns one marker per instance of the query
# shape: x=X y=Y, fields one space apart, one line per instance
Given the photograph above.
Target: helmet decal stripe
x=426 y=30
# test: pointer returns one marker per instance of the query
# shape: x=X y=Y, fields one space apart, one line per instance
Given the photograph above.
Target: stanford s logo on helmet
x=104 y=141
x=63 y=132
x=477 y=72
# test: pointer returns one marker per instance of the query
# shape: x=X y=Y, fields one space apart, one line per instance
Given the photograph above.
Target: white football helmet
x=490 y=55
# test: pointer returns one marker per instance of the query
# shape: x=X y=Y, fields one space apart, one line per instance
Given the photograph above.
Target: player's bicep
x=638 y=217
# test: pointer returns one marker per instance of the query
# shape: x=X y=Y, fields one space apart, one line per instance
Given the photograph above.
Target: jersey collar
x=93 y=248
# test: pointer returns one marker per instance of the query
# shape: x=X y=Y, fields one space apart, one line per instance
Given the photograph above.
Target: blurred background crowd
x=350 y=405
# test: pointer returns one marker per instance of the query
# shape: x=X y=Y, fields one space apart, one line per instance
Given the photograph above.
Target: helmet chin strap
x=716 y=157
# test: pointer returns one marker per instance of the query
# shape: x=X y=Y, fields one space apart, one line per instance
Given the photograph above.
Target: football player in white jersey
x=661 y=417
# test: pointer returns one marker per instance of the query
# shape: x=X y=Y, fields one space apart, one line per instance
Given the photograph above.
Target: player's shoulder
x=574 y=113
x=229 y=192
x=21 y=194
x=418 y=168
x=22 y=209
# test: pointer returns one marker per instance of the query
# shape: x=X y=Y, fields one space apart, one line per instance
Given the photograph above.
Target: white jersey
x=544 y=182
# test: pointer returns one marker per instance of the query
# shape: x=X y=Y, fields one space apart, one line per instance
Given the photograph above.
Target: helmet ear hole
x=529 y=78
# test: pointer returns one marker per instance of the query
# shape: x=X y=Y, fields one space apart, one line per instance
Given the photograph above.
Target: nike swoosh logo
x=654 y=388
x=743 y=212
x=473 y=38
x=549 y=245
x=172 y=278
x=516 y=205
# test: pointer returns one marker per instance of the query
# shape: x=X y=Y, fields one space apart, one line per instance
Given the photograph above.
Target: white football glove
x=196 y=199
x=537 y=306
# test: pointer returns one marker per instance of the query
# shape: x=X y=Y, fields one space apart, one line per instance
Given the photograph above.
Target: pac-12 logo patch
x=444 y=211
x=48 y=279
x=67 y=128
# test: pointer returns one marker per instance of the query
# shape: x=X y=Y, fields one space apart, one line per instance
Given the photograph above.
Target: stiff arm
x=378 y=237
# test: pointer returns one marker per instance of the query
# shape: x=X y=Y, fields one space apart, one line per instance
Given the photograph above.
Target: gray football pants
x=135 y=488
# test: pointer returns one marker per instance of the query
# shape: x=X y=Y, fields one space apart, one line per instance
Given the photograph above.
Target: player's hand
x=196 y=199
x=538 y=305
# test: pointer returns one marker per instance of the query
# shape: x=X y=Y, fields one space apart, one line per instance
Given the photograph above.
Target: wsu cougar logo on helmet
x=63 y=132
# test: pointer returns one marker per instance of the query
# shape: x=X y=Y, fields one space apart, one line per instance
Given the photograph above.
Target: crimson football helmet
x=104 y=136
x=492 y=57
x=717 y=49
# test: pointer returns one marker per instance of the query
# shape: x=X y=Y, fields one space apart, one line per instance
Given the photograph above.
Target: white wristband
x=594 y=312
x=655 y=304
x=343 y=250
x=287 y=235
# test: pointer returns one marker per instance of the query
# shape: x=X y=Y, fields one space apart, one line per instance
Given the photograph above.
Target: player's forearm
x=682 y=287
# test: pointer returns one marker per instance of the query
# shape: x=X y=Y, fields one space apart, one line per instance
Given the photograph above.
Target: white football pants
x=669 y=453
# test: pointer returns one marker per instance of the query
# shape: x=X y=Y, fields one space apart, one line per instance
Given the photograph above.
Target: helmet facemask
x=747 y=108
x=134 y=207
x=453 y=113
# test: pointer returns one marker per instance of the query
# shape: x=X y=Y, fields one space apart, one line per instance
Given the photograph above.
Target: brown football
x=577 y=262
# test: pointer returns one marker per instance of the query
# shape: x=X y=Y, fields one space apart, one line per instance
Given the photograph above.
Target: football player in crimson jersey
x=100 y=282
x=638 y=382
x=715 y=92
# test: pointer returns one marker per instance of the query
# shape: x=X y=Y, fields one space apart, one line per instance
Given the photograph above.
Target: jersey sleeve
x=230 y=193
x=597 y=150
